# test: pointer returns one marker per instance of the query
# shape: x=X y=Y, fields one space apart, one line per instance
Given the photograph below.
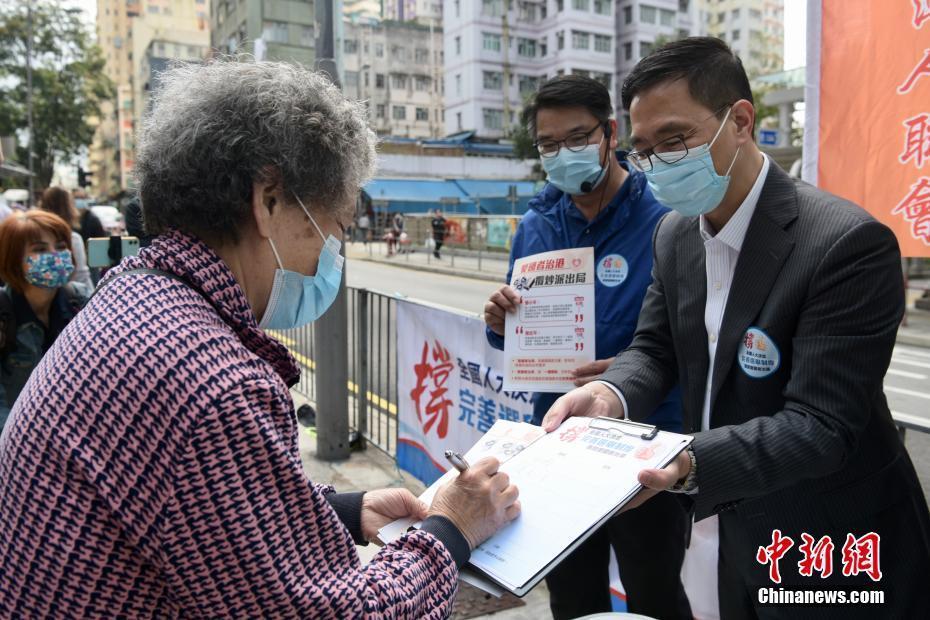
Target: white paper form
x=569 y=480
x=503 y=441
x=552 y=332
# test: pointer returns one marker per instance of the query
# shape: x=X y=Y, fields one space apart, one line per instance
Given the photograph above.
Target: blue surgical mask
x=691 y=185
x=570 y=170
x=296 y=299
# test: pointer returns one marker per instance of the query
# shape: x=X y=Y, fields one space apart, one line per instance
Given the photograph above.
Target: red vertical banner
x=873 y=133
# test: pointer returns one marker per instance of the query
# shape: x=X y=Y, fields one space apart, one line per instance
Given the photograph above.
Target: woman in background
x=58 y=201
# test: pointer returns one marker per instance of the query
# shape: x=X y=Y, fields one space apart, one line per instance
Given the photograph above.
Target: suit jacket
x=811 y=446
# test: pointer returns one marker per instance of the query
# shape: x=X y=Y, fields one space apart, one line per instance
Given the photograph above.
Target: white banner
x=449 y=387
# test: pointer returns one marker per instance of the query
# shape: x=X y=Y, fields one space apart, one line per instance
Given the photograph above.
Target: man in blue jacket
x=594 y=200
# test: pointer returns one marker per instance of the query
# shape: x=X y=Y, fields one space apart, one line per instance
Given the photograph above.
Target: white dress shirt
x=721 y=253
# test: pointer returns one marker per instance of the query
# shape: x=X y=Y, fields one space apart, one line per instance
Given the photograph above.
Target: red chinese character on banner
x=432 y=380
x=916 y=209
x=922 y=69
x=921 y=12
x=916 y=140
x=773 y=553
x=560 y=263
x=817 y=557
x=860 y=555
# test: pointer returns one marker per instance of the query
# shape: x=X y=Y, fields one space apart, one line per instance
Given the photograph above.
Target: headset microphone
x=587 y=186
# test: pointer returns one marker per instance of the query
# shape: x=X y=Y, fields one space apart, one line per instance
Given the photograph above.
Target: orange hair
x=17 y=232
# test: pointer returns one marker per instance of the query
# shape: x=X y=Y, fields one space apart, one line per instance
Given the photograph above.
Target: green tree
x=68 y=83
x=523 y=142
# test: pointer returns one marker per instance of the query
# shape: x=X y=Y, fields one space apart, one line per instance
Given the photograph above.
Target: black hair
x=565 y=91
x=714 y=74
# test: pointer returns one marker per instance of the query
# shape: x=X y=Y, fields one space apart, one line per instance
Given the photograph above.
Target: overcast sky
x=795 y=23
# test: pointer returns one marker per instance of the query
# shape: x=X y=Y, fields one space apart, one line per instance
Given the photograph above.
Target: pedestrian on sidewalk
x=593 y=198
x=438 y=225
x=150 y=466
x=39 y=299
x=59 y=201
x=364 y=227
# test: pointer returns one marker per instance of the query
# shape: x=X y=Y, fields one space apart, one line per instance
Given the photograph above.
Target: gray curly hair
x=216 y=128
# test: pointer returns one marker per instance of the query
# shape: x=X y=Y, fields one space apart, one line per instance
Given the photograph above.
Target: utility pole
x=32 y=137
x=330 y=331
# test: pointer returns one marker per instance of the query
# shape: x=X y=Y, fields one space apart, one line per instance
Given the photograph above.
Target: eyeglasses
x=671 y=150
x=574 y=143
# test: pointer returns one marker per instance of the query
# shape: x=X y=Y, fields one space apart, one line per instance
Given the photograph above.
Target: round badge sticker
x=612 y=270
x=758 y=355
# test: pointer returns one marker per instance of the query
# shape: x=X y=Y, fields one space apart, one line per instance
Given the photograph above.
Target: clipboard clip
x=646 y=432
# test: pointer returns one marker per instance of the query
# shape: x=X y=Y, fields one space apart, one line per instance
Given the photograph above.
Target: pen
x=457 y=461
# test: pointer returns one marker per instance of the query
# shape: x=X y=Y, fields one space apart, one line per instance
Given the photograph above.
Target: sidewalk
x=915 y=331
x=372 y=469
x=490 y=266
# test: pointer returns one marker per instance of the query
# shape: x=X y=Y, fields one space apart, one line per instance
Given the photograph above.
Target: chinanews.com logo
x=858 y=555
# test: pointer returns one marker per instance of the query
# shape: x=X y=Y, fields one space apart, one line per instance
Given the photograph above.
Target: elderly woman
x=150 y=466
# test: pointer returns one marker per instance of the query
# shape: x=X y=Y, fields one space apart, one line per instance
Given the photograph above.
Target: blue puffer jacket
x=622 y=230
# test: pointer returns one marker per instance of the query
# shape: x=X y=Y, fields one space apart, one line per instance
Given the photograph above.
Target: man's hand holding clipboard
x=597 y=400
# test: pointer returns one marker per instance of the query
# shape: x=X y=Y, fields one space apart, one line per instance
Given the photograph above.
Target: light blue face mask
x=691 y=185
x=570 y=171
x=296 y=299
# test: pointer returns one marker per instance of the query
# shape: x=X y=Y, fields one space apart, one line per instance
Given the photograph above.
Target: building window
x=559 y=5
x=458 y=46
x=581 y=72
x=399 y=53
x=492 y=80
x=528 y=84
x=491 y=42
x=721 y=17
x=458 y=84
x=379 y=110
x=735 y=13
x=580 y=40
x=602 y=7
x=379 y=50
x=367 y=79
x=581 y=5
x=399 y=112
x=647 y=14
x=603 y=78
x=458 y=8
x=628 y=51
x=560 y=40
x=628 y=15
x=493 y=119
x=421 y=56
x=422 y=114
x=350 y=46
x=755 y=14
x=275 y=32
x=734 y=36
x=645 y=48
x=526 y=47
x=602 y=43
x=683 y=5
x=307 y=36
x=667 y=17
x=458 y=120
x=398 y=80
x=352 y=78
x=494 y=8
x=421 y=83
x=379 y=80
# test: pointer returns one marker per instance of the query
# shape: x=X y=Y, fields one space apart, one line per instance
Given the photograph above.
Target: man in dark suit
x=775 y=306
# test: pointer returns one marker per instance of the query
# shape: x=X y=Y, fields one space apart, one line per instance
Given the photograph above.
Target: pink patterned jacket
x=150 y=469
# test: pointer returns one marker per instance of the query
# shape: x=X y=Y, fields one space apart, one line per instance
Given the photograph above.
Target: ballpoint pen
x=457 y=461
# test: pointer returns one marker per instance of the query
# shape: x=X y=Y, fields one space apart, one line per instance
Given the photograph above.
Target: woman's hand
x=386 y=505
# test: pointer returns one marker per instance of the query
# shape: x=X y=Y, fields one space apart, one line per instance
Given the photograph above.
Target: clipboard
x=629 y=428
x=572 y=481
